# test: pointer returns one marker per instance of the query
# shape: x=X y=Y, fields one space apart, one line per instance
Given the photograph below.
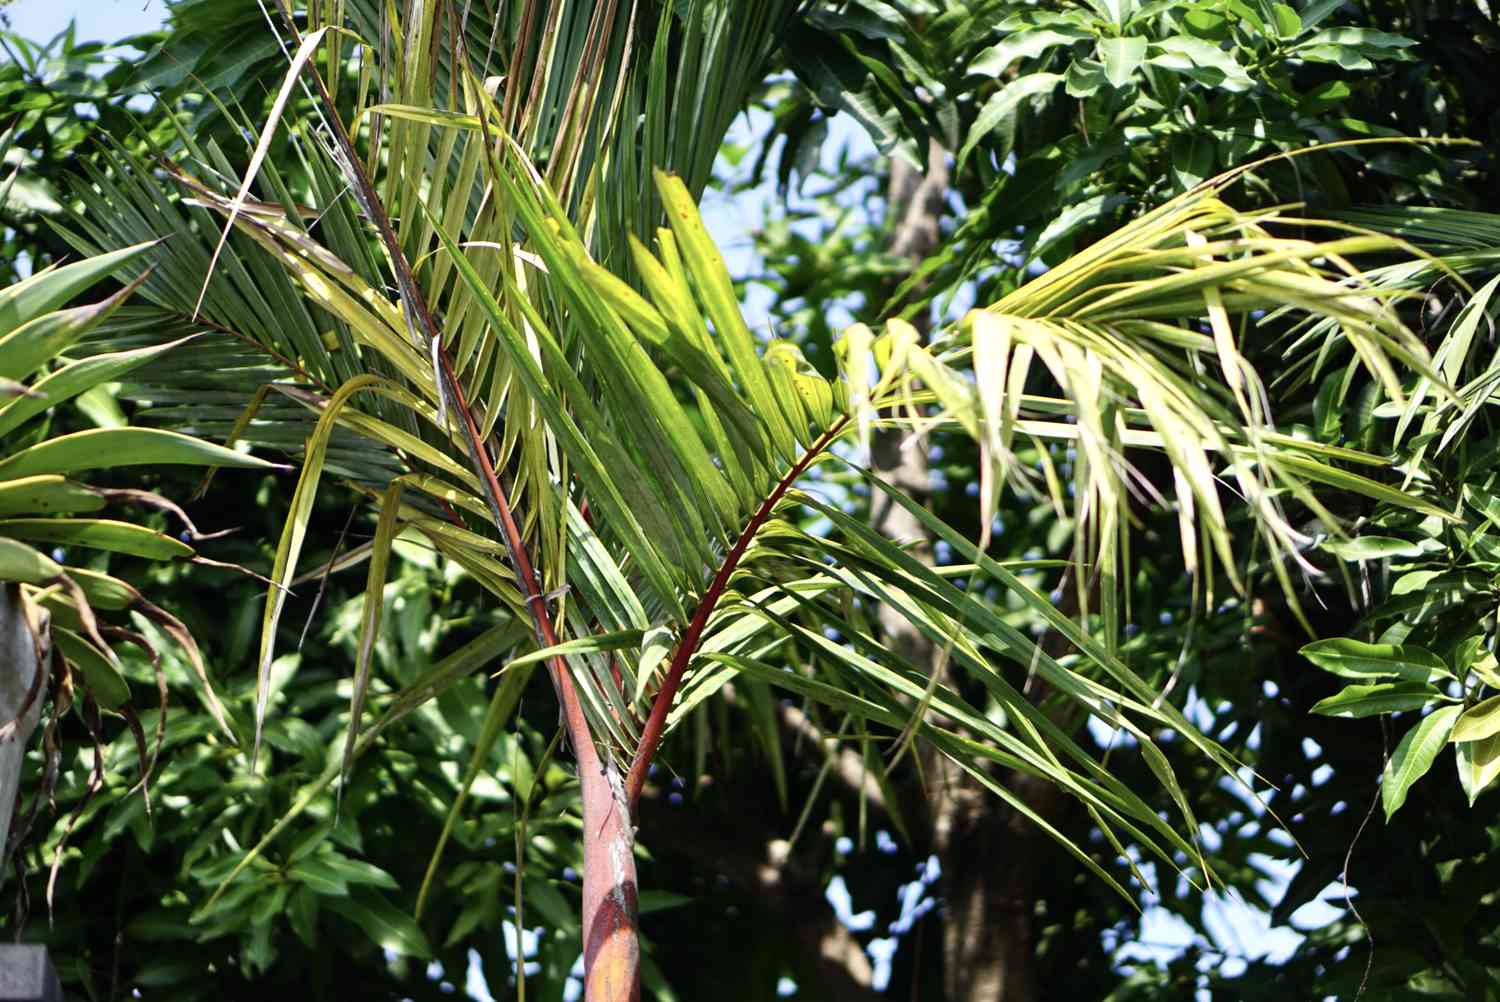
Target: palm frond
x=1101 y=327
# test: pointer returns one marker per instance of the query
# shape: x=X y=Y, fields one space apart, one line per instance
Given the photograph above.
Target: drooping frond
x=1105 y=331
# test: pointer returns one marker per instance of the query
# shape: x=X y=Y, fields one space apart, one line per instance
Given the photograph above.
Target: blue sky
x=97 y=19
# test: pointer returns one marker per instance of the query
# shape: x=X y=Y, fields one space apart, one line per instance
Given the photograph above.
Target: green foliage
x=650 y=442
x=59 y=99
x=40 y=499
x=1432 y=592
x=69 y=560
x=316 y=913
x=783 y=418
x=1068 y=118
x=1218 y=658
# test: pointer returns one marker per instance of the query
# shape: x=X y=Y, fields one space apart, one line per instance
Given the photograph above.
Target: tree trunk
x=611 y=939
x=745 y=848
x=22 y=656
x=989 y=854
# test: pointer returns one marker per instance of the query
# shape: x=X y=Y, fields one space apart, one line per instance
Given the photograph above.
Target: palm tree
x=476 y=286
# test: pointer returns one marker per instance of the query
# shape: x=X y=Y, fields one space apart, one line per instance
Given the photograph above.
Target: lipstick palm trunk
x=611 y=940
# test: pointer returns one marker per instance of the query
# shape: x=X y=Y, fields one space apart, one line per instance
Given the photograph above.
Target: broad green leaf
x=999 y=112
x=317 y=879
x=19 y=562
x=385 y=924
x=1346 y=57
x=47 y=495
x=1325 y=96
x=1288 y=24
x=336 y=868
x=1414 y=581
x=1415 y=755
x=1117 y=12
x=103 y=591
x=1359 y=37
x=995 y=60
x=1121 y=58
x=99 y=405
x=1085 y=77
x=105 y=448
x=1472 y=657
x=33 y=345
x=1372 y=548
x=103 y=678
x=838 y=80
x=1478 y=765
x=99 y=534
x=1480 y=721
x=1374 y=700
x=1486 y=669
x=1201 y=60
x=1350 y=658
x=1318 y=10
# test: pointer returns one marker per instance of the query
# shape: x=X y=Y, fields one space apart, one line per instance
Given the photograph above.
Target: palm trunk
x=611 y=938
